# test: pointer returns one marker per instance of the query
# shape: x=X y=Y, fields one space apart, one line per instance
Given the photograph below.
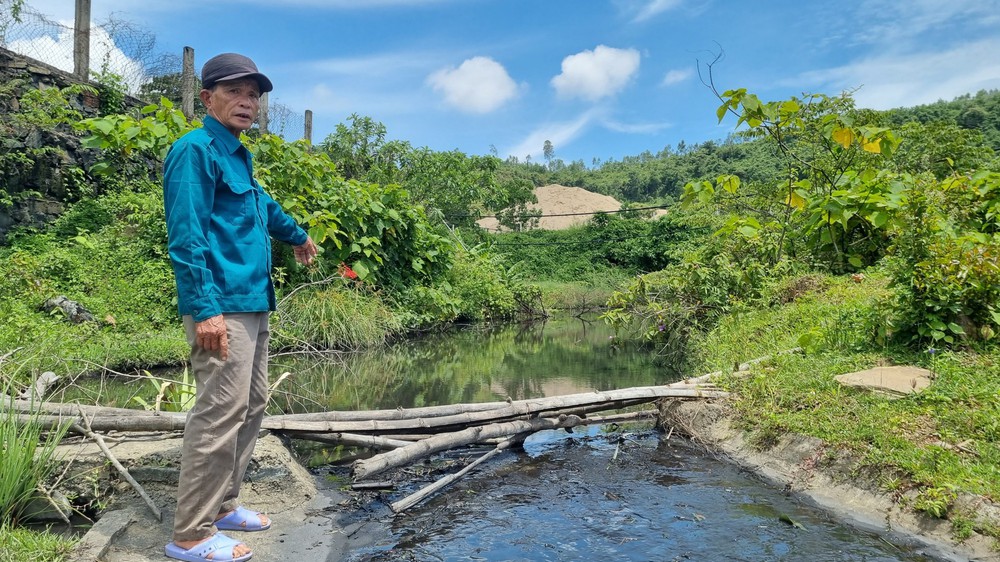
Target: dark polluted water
x=596 y=495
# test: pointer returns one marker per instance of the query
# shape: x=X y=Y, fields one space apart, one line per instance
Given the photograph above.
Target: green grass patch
x=28 y=459
x=577 y=295
x=24 y=545
x=941 y=442
x=334 y=316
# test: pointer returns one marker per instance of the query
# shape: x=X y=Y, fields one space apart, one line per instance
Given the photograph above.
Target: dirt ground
x=557 y=199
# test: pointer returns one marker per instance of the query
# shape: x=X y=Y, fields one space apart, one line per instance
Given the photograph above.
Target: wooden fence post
x=309 y=126
x=187 y=84
x=81 y=40
x=262 y=116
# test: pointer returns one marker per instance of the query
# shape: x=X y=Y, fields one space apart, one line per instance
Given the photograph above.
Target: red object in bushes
x=346 y=272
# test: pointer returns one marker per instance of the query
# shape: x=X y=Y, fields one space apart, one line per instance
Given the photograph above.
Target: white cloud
x=894 y=23
x=653 y=7
x=559 y=134
x=914 y=78
x=58 y=52
x=677 y=76
x=596 y=74
x=636 y=128
x=478 y=85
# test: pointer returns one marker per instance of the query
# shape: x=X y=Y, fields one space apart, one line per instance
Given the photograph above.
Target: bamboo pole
x=425 y=492
x=370 y=441
x=366 y=468
x=526 y=408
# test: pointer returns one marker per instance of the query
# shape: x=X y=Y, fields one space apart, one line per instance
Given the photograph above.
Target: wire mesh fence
x=117 y=47
x=121 y=52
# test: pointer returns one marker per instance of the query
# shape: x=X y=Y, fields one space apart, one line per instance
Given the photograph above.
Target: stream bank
x=806 y=466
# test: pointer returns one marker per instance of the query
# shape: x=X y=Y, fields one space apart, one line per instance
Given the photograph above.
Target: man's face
x=234 y=103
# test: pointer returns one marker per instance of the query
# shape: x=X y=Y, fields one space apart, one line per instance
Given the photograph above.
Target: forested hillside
x=980 y=111
x=661 y=176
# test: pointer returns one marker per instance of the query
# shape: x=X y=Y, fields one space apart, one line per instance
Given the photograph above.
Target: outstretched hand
x=306 y=252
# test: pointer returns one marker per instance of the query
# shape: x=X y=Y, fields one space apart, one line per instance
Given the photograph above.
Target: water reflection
x=472 y=364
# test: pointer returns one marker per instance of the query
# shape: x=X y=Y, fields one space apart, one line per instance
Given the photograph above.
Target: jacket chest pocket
x=235 y=203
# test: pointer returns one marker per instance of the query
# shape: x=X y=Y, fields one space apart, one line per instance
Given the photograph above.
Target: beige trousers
x=222 y=428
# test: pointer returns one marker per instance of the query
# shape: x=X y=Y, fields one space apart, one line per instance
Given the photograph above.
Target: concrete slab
x=895 y=381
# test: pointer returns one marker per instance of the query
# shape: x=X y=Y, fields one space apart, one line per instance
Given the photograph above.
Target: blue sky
x=598 y=78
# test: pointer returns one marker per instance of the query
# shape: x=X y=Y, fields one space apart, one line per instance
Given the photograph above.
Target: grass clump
x=23 y=545
x=333 y=317
x=28 y=459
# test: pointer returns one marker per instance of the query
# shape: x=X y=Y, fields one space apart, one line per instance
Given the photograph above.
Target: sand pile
x=562 y=200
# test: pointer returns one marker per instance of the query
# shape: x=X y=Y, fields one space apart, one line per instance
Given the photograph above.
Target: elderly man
x=219 y=228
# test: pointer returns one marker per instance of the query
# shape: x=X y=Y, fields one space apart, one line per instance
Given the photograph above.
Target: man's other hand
x=211 y=335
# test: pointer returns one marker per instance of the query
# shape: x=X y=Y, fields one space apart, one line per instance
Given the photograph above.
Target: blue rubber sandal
x=219 y=547
x=242 y=519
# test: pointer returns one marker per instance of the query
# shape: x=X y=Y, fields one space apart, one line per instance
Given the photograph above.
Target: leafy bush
x=374 y=228
x=668 y=307
x=946 y=261
x=477 y=287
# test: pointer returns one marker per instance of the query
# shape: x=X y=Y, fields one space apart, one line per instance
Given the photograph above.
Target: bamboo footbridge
x=397 y=437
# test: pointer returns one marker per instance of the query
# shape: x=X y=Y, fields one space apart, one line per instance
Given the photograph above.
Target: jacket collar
x=221 y=134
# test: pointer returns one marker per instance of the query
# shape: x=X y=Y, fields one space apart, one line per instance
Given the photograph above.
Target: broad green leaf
x=721 y=112
x=361 y=269
x=878 y=219
x=729 y=182
x=855 y=262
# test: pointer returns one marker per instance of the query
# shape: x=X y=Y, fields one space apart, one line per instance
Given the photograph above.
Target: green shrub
x=945 y=263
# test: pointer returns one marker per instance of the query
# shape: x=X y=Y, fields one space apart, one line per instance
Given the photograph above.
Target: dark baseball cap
x=230 y=66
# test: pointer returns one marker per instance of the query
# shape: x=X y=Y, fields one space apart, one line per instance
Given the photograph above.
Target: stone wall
x=35 y=193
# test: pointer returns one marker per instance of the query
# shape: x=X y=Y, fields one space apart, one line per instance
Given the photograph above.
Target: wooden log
x=370 y=441
x=515 y=410
x=37 y=391
x=123 y=419
x=394 y=414
x=427 y=491
x=105 y=424
x=366 y=468
x=72 y=409
x=441 y=411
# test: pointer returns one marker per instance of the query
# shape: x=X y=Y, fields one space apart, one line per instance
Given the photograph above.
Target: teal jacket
x=219 y=225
